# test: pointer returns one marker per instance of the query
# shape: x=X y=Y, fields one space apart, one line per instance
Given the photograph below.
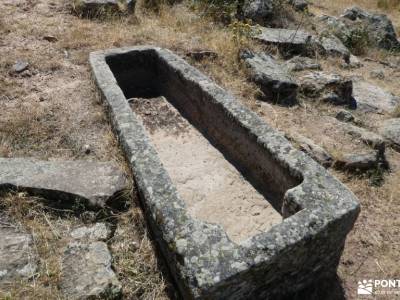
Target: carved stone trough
x=318 y=211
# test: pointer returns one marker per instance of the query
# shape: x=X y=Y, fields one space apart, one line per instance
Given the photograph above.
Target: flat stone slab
x=86 y=266
x=272 y=77
x=290 y=42
x=18 y=258
x=93 y=182
x=372 y=98
x=359 y=162
x=318 y=210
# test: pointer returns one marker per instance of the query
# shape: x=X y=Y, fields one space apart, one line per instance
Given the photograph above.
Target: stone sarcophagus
x=237 y=211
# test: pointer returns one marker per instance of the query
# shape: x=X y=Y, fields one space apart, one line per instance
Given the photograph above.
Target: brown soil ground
x=53 y=111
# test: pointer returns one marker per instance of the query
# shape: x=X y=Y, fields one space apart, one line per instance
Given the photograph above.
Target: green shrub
x=357 y=40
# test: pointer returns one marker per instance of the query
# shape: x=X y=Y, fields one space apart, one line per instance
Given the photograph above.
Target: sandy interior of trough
x=213 y=189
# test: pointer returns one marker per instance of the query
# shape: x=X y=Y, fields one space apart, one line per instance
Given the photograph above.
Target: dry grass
x=70 y=116
x=46 y=230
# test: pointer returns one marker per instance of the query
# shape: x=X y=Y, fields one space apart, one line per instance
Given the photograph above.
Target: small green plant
x=242 y=30
x=357 y=40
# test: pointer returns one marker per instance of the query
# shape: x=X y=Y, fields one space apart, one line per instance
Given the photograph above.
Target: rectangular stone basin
x=237 y=212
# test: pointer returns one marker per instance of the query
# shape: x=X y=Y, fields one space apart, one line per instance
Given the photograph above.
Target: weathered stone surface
x=319 y=211
x=272 y=77
x=87 y=273
x=380 y=28
x=333 y=46
x=390 y=129
x=20 y=66
x=93 y=182
x=99 y=8
x=372 y=98
x=312 y=149
x=353 y=63
x=290 y=42
x=345 y=116
x=332 y=88
x=359 y=162
x=300 y=63
x=97 y=232
x=299 y=4
x=258 y=11
x=372 y=139
x=377 y=74
x=18 y=258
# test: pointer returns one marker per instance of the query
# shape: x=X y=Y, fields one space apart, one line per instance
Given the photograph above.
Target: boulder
x=377 y=27
x=258 y=11
x=87 y=272
x=20 y=66
x=333 y=46
x=371 y=139
x=372 y=98
x=18 y=258
x=377 y=74
x=301 y=63
x=390 y=129
x=290 y=42
x=359 y=162
x=300 y=5
x=353 y=63
x=101 y=8
x=92 y=182
x=272 y=77
x=332 y=88
x=345 y=116
x=315 y=151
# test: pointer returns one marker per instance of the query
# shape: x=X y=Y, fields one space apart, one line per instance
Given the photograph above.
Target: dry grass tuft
x=46 y=230
x=134 y=257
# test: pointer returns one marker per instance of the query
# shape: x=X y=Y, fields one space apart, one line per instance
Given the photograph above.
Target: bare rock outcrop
x=272 y=77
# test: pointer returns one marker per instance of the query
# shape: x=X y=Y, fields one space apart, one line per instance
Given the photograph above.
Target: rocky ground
x=335 y=97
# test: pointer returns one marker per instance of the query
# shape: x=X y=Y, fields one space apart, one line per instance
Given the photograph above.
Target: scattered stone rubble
x=18 y=257
x=86 y=265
